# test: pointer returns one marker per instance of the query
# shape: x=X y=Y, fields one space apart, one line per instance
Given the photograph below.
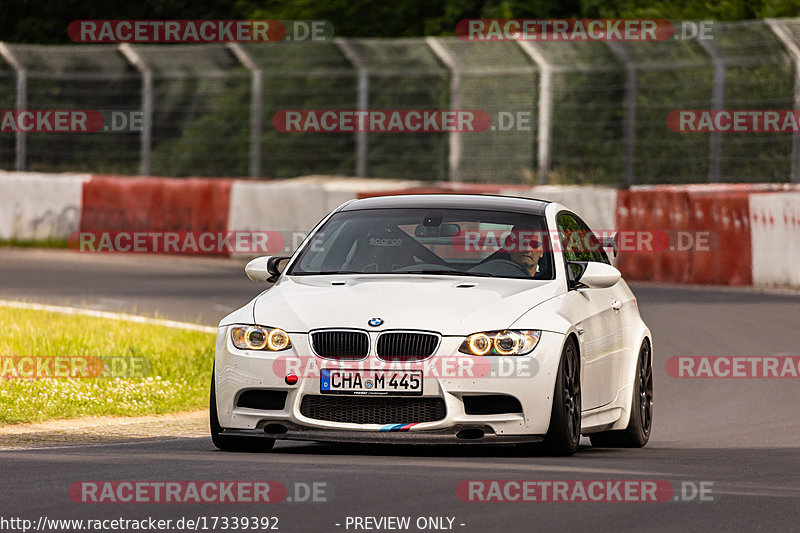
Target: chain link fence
x=593 y=112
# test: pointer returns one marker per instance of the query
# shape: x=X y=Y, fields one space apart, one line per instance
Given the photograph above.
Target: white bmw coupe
x=437 y=319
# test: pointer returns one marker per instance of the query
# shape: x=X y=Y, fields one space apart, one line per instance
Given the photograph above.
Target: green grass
x=176 y=375
x=43 y=243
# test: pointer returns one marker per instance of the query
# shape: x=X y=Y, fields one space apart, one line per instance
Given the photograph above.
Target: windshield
x=429 y=241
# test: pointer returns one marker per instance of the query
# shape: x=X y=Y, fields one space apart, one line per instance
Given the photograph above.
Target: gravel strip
x=104 y=430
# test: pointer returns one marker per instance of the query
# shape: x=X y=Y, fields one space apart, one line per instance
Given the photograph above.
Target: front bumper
x=530 y=379
x=472 y=434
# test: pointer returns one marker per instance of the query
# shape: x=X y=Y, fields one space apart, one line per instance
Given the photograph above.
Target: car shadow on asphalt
x=416 y=450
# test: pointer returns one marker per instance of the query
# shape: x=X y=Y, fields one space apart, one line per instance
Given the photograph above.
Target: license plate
x=370 y=382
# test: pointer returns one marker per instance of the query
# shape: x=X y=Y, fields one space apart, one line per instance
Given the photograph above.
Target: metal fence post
x=256 y=87
x=147 y=106
x=629 y=120
x=717 y=100
x=545 y=107
x=362 y=103
x=454 y=160
x=793 y=47
x=22 y=103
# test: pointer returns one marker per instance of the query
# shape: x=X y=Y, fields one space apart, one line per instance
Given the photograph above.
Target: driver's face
x=527 y=254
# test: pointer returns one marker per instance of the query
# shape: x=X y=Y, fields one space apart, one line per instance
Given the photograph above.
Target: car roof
x=451 y=201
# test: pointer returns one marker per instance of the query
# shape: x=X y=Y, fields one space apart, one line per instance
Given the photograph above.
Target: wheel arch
x=624 y=397
x=574 y=336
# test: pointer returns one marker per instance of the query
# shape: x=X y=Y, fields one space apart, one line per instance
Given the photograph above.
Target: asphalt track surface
x=740 y=435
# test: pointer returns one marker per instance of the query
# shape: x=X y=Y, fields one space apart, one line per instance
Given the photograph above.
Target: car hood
x=447 y=304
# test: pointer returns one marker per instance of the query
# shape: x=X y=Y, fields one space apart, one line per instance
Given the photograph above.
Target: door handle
x=616 y=305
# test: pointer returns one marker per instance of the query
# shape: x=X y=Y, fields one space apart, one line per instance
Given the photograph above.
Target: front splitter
x=452 y=435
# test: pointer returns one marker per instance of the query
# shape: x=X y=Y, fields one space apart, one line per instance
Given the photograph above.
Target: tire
x=564 y=433
x=231 y=443
x=640 y=425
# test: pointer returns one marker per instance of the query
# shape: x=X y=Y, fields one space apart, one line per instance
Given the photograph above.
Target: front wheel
x=231 y=443
x=637 y=433
x=564 y=433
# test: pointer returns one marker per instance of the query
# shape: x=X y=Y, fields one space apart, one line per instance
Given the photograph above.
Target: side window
x=578 y=242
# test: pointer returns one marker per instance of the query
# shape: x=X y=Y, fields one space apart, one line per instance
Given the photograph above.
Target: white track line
x=105 y=314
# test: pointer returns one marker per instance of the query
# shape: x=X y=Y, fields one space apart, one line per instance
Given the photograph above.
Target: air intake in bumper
x=265 y=400
x=382 y=410
x=491 y=404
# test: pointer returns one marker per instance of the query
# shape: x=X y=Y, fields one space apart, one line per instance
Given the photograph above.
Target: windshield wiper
x=325 y=273
x=447 y=272
x=426 y=271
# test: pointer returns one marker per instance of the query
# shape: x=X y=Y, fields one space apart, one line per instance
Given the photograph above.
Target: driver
x=527 y=253
x=522 y=246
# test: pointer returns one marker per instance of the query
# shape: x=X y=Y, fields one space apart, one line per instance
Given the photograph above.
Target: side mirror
x=596 y=275
x=266 y=268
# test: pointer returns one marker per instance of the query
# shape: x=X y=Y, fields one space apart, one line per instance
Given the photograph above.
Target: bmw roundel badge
x=375 y=322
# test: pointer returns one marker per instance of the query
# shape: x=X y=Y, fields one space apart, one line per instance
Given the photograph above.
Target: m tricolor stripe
x=398 y=427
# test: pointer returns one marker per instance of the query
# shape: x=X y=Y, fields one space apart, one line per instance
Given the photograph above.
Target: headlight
x=506 y=342
x=260 y=338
